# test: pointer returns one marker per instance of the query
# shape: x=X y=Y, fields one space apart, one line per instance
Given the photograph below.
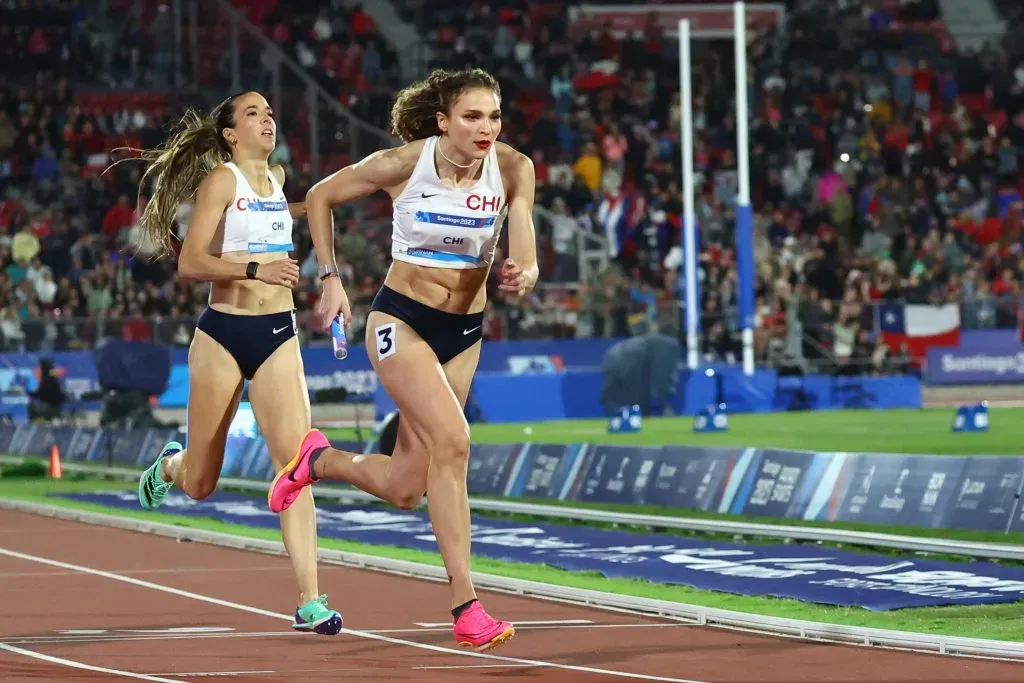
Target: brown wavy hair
x=414 y=114
x=196 y=147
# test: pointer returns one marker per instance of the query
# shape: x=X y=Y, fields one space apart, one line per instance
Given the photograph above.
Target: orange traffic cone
x=55 y=468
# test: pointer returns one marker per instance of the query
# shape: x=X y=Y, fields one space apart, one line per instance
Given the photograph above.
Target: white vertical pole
x=689 y=215
x=742 y=107
x=744 y=212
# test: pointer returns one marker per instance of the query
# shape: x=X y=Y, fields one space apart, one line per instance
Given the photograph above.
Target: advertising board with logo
x=982 y=357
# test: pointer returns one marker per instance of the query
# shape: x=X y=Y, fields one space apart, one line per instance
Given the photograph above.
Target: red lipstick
x=483 y=144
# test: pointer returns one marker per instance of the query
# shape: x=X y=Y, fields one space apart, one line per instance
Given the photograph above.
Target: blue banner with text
x=808 y=573
x=982 y=357
x=516 y=381
x=926 y=491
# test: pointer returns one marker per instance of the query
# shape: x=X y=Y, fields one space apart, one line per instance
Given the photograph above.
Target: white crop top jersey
x=445 y=227
x=256 y=224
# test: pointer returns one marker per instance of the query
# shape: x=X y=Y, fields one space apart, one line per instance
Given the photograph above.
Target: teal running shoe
x=314 y=616
x=152 y=488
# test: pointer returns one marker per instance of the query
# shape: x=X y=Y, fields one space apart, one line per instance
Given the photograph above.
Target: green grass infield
x=853 y=431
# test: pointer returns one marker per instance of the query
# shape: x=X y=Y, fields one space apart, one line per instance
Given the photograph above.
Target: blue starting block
x=711 y=418
x=627 y=420
x=971 y=418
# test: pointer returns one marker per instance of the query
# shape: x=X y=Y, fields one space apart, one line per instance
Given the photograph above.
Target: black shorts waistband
x=447 y=334
x=250 y=339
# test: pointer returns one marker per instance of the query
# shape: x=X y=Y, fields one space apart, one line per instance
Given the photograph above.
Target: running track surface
x=161 y=610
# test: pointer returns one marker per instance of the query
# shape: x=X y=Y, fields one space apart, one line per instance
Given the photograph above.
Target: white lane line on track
x=87 y=667
x=554 y=622
x=211 y=674
x=358 y=634
x=102 y=636
x=125 y=638
x=469 y=666
x=131 y=572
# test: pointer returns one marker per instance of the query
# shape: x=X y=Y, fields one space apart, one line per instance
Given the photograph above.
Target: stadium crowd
x=885 y=167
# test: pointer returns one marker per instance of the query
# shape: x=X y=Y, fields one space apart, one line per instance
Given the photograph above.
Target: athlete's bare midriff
x=250 y=297
x=446 y=289
x=452 y=290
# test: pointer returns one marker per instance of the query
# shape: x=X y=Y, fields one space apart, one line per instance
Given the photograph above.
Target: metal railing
x=70 y=334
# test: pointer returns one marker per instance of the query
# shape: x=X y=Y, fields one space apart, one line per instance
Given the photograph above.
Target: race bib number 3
x=387 y=340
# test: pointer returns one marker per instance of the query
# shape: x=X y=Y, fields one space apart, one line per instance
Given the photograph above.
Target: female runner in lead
x=453 y=186
x=238 y=240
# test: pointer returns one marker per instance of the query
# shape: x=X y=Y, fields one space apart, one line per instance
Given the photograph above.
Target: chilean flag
x=919 y=326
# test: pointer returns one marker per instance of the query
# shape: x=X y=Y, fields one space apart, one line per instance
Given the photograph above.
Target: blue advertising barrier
x=987 y=494
x=561 y=379
x=692 y=478
x=18 y=375
x=983 y=357
x=616 y=474
x=808 y=573
x=927 y=491
x=896 y=489
x=575 y=394
x=77 y=371
x=543 y=355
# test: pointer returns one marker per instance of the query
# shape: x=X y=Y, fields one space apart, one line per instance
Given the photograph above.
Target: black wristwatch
x=250 y=270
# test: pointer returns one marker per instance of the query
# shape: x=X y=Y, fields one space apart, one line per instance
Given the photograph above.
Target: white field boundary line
x=992 y=403
x=87 y=667
x=126 y=638
x=694 y=614
x=143 y=572
x=1004 y=551
x=358 y=634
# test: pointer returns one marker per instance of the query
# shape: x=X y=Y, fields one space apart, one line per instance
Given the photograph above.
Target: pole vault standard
x=744 y=211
